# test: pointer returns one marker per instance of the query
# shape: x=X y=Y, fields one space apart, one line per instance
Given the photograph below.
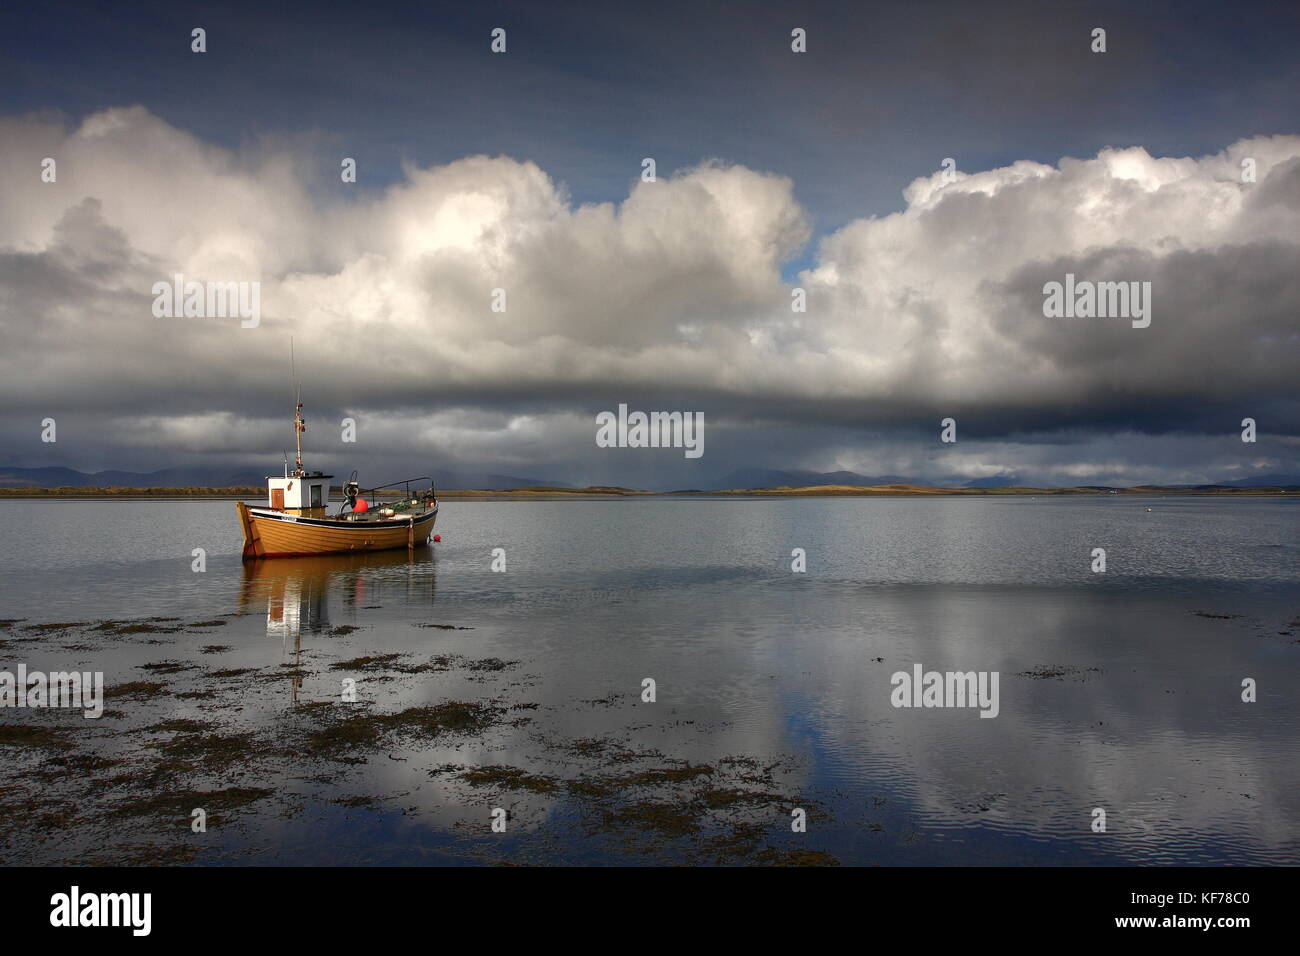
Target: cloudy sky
x=776 y=171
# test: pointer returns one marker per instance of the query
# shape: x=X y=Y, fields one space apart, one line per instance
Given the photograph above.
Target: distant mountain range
x=200 y=476
x=769 y=478
x=1258 y=481
x=206 y=476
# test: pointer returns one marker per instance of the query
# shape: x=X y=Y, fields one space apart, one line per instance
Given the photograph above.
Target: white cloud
x=676 y=289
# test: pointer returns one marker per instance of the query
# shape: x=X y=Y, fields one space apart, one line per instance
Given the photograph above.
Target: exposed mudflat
x=252 y=746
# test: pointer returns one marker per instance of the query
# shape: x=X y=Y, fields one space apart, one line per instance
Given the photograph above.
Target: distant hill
x=1258 y=481
x=185 y=477
x=742 y=479
x=759 y=478
x=454 y=480
x=771 y=478
x=224 y=477
x=996 y=481
x=1264 y=481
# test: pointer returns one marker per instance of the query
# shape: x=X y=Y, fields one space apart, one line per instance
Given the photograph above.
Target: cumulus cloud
x=943 y=302
x=673 y=296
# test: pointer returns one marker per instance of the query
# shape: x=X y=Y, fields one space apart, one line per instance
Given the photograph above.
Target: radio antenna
x=293 y=373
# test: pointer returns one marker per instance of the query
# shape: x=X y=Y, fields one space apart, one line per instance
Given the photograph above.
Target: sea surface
x=520 y=695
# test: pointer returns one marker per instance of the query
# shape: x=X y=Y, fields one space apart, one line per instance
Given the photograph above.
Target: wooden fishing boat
x=296 y=522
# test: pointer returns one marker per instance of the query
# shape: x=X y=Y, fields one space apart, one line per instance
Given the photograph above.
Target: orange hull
x=277 y=534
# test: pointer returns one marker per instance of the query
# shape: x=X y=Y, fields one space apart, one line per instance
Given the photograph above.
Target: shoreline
x=601 y=493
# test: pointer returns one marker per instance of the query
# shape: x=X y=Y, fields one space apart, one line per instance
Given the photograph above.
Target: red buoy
x=437 y=537
x=361 y=507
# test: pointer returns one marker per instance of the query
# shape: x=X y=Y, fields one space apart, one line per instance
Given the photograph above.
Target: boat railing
x=404 y=484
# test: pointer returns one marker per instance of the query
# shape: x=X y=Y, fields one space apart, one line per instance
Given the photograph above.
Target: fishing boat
x=296 y=519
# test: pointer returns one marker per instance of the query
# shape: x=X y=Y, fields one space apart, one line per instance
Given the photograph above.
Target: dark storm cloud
x=673 y=295
x=588 y=89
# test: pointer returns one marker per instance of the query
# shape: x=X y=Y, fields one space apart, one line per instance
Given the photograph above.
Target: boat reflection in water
x=298 y=592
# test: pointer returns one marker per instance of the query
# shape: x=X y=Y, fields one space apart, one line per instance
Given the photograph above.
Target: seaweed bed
x=182 y=736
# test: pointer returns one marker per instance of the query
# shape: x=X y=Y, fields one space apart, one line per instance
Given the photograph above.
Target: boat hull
x=274 y=534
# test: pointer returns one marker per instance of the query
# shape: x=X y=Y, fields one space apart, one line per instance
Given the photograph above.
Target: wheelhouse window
x=315 y=496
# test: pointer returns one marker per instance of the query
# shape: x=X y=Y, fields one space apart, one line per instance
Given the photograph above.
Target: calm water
x=1119 y=690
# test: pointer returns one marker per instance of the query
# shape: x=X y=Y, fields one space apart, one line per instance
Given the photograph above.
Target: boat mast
x=299 y=426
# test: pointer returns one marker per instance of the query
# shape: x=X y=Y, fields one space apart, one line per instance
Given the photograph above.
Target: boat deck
x=374 y=516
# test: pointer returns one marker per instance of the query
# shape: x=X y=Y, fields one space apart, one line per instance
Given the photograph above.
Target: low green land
x=116 y=491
